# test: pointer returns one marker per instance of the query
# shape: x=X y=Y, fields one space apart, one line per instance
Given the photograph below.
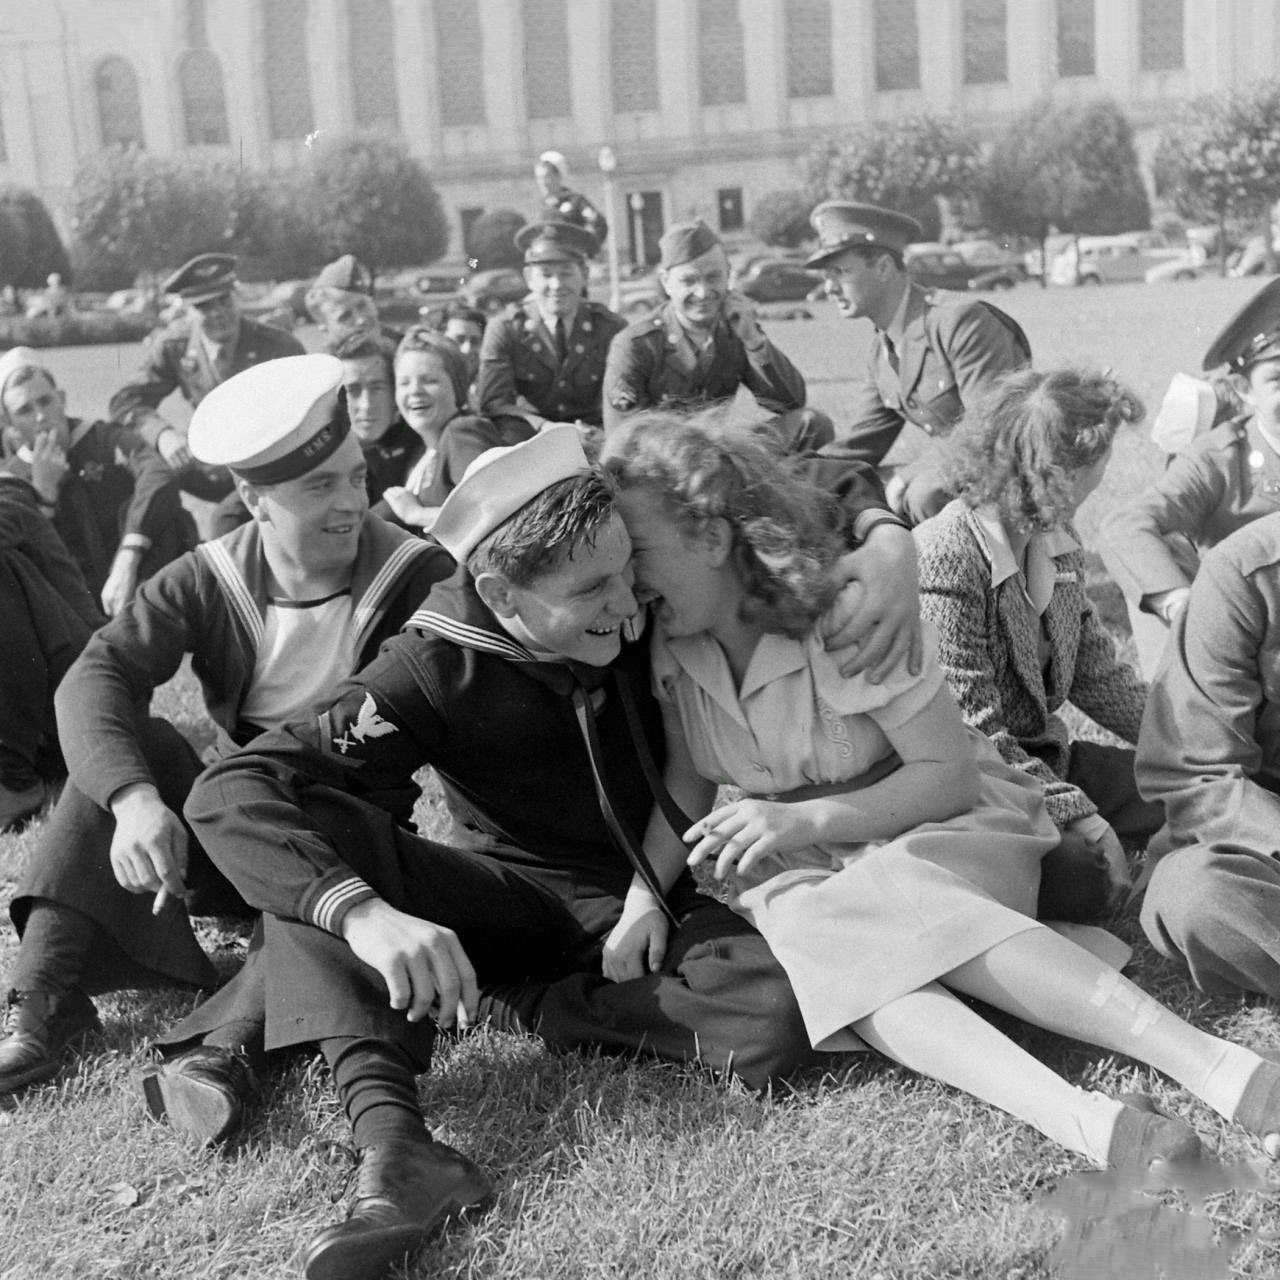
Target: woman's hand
x=408 y=509
x=739 y=834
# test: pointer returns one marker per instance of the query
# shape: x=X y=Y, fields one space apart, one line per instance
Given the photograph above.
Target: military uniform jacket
x=114 y=488
x=1209 y=749
x=518 y=358
x=175 y=358
x=457 y=692
x=988 y=645
x=1223 y=481
x=651 y=365
x=210 y=603
x=952 y=350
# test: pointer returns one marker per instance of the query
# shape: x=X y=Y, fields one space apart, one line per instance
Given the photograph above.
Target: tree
x=491 y=240
x=782 y=218
x=901 y=164
x=141 y=213
x=371 y=198
x=1073 y=168
x=1220 y=161
x=30 y=247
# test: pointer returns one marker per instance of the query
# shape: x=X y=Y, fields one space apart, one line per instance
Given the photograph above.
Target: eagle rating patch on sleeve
x=367 y=725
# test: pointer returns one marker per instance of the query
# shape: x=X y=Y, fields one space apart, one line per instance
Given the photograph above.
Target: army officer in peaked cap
x=933 y=356
x=704 y=343
x=1222 y=480
x=199 y=350
x=543 y=359
x=275 y=616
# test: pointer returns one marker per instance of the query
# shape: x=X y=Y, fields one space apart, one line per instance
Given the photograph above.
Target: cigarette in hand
x=161 y=898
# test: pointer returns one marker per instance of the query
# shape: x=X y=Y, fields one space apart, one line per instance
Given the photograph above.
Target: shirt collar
x=897 y=329
x=995 y=544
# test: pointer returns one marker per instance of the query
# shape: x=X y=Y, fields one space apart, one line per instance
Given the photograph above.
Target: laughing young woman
x=886 y=853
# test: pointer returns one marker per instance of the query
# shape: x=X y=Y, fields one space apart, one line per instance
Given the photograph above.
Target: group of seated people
x=621 y=607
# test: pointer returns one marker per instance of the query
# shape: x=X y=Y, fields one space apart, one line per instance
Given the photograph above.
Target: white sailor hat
x=19 y=358
x=273 y=421
x=501 y=481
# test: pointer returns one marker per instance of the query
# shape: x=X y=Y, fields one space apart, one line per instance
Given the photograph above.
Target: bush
x=782 y=218
x=369 y=197
x=491 y=240
x=30 y=247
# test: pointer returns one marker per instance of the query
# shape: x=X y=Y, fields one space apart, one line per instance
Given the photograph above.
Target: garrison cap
x=685 y=241
x=1251 y=335
x=273 y=421
x=501 y=481
x=209 y=275
x=843 y=225
x=556 y=242
x=347 y=273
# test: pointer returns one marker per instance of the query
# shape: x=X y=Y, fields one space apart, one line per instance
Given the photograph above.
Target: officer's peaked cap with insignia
x=555 y=242
x=274 y=421
x=501 y=481
x=842 y=225
x=1251 y=335
x=206 y=276
x=347 y=273
x=684 y=241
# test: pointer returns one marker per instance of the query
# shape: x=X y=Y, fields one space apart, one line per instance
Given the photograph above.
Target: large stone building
x=707 y=104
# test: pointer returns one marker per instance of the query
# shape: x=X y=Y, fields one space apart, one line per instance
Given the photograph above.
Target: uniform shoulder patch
x=368 y=724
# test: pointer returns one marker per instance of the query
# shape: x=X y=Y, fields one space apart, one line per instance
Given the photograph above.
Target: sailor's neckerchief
x=455 y=612
x=383 y=554
x=458 y=615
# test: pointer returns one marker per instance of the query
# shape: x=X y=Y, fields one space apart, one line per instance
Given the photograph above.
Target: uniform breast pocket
x=935 y=400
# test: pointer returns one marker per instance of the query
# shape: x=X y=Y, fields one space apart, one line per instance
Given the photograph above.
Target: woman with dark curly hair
x=1002 y=580
x=884 y=851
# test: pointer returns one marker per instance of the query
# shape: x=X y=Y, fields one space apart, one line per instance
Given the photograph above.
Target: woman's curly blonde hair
x=785 y=537
x=1021 y=446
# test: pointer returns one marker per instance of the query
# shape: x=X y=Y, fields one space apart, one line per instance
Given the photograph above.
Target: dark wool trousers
x=71 y=866
x=720 y=997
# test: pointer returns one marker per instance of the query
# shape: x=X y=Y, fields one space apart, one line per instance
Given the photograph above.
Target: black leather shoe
x=404 y=1192
x=38 y=1028
x=203 y=1092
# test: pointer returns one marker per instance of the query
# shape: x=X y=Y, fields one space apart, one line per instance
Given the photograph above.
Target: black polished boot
x=404 y=1192
x=39 y=1026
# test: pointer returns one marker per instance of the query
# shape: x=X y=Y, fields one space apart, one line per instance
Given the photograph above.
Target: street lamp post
x=608 y=163
x=637 y=228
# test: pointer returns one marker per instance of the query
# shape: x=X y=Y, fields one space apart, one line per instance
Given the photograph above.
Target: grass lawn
x=615 y=1168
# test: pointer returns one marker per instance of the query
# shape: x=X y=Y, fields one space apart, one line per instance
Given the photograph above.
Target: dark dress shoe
x=38 y=1028
x=203 y=1092
x=404 y=1192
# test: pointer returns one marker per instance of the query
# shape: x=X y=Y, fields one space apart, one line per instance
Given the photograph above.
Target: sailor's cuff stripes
x=331 y=907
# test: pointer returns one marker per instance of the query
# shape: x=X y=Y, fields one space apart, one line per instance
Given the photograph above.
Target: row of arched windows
x=204 y=103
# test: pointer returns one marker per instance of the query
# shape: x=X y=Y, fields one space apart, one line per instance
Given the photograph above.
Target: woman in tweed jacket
x=1002 y=580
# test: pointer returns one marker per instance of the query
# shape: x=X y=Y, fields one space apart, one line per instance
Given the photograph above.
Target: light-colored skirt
x=858 y=925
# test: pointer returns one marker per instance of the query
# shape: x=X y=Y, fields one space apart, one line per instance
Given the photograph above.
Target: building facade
x=707 y=104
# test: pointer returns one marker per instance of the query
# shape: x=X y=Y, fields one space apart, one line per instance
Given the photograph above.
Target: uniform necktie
x=892 y=352
x=562 y=343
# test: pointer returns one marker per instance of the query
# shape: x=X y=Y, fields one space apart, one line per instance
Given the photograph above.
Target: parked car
x=490 y=291
x=638 y=297
x=937 y=267
x=776 y=280
x=1110 y=259
x=1187 y=265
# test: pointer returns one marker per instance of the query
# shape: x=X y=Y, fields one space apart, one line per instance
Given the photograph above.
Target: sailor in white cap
x=562 y=204
x=274 y=616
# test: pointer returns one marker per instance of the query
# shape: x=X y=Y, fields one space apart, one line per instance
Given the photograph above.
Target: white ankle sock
x=1225 y=1081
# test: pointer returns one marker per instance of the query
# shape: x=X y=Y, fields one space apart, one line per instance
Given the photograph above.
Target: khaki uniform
x=518 y=358
x=1209 y=750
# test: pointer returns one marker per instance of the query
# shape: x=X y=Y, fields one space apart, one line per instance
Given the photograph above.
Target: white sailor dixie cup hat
x=274 y=421
x=501 y=481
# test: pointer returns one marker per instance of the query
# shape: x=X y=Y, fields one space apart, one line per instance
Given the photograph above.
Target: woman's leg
x=1045 y=979
x=937 y=1035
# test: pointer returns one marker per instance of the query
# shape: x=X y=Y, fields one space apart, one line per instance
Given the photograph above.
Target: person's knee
x=1193 y=891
